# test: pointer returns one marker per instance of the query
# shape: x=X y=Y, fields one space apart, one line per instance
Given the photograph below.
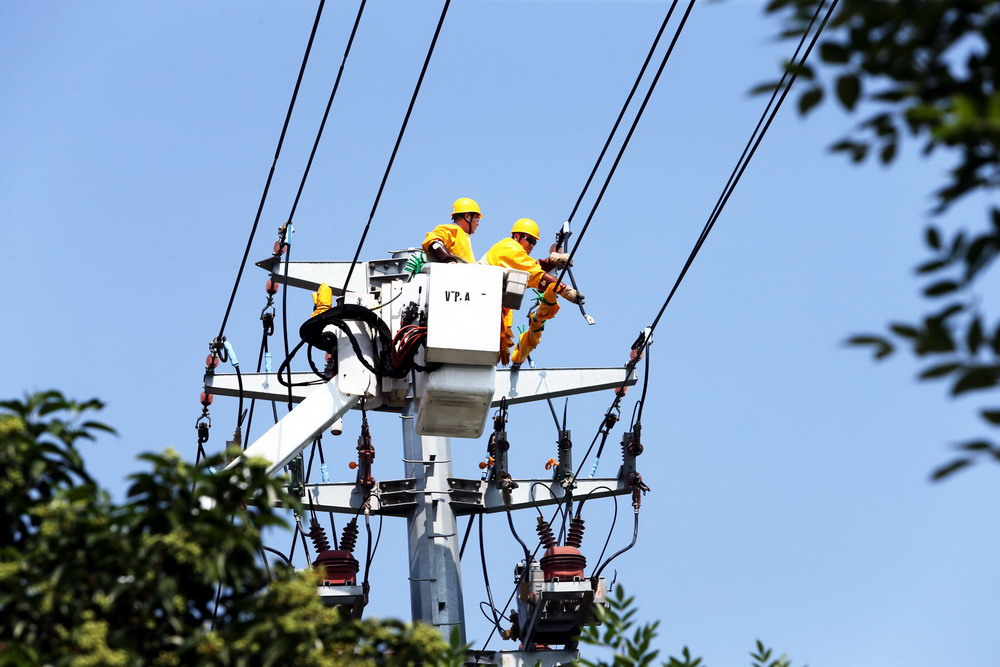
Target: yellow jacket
x=454 y=239
x=509 y=253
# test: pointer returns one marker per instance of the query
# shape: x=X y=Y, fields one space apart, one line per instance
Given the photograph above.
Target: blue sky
x=790 y=496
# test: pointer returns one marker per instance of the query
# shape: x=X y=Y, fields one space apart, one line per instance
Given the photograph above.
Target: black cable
x=738 y=170
x=267 y=566
x=326 y=113
x=270 y=174
x=465 y=539
x=486 y=575
x=395 y=148
x=621 y=114
x=635 y=537
x=278 y=553
x=628 y=137
x=731 y=185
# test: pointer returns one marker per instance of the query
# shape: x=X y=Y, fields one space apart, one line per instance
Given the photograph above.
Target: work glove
x=572 y=295
x=559 y=259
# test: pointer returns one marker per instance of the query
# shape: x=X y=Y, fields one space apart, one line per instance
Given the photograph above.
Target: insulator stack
x=545 y=535
x=318 y=536
x=349 y=538
x=575 y=536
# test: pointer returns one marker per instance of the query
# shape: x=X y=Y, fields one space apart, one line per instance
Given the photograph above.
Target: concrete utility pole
x=453 y=400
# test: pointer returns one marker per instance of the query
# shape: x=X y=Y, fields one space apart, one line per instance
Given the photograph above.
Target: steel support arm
x=294 y=431
x=520 y=386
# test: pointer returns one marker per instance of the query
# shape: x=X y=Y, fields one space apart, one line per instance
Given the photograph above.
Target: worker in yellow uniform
x=450 y=242
x=515 y=253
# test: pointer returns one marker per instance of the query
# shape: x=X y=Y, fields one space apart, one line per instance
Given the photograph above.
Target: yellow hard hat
x=465 y=205
x=526 y=226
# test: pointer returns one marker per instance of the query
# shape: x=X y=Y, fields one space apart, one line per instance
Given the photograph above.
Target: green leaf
x=979 y=377
x=974 y=337
x=976 y=446
x=933 y=237
x=888 y=152
x=883 y=348
x=939 y=370
x=949 y=469
x=848 y=90
x=810 y=99
x=832 y=52
x=932 y=266
x=992 y=416
x=941 y=288
x=904 y=330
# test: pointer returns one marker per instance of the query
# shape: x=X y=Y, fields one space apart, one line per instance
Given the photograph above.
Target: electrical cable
x=749 y=152
x=465 y=539
x=621 y=114
x=395 y=148
x=769 y=114
x=486 y=575
x=326 y=112
x=278 y=553
x=628 y=138
x=274 y=162
x=635 y=536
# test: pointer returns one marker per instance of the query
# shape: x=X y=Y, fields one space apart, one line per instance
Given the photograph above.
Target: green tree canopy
x=172 y=576
x=926 y=72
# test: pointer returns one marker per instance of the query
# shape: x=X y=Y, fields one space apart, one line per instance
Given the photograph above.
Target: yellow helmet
x=526 y=226
x=465 y=205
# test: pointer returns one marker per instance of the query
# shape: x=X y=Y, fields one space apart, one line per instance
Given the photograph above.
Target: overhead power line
x=399 y=139
x=326 y=112
x=621 y=114
x=631 y=131
x=770 y=111
x=274 y=162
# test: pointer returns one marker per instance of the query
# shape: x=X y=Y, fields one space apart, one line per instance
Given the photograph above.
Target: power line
x=621 y=114
x=399 y=139
x=274 y=162
x=785 y=85
x=326 y=112
x=628 y=136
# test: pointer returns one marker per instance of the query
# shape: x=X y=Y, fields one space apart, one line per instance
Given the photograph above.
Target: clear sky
x=790 y=499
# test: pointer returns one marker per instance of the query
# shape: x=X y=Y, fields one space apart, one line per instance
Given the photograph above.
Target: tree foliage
x=172 y=576
x=632 y=644
x=927 y=71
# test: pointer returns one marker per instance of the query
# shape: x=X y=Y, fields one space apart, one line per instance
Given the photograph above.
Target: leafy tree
x=927 y=71
x=171 y=576
x=633 y=645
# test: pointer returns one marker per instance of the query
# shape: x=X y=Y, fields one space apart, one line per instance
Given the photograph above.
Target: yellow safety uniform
x=510 y=254
x=454 y=239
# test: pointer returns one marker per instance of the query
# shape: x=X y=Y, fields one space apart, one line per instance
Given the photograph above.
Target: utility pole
x=454 y=399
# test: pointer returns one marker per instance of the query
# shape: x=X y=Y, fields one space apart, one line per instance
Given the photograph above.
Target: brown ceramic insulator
x=318 y=536
x=349 y=538
x=545 y=533
x=575 y=536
